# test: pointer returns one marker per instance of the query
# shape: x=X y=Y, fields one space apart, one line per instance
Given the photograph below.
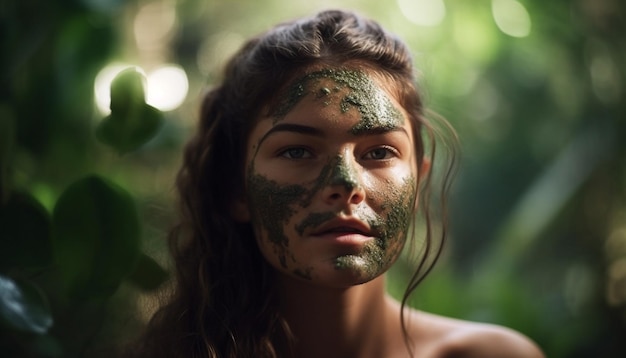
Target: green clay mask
x=389 y=228
x=278 y=203
x=374 y=106
x=284 y=211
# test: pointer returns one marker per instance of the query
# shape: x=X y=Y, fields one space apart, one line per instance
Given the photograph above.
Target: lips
x=343 y=226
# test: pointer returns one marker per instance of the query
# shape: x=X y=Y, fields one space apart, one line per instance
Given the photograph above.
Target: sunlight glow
x=166 y=87
x=102 y=85
x=511 y=17
x=423 y=12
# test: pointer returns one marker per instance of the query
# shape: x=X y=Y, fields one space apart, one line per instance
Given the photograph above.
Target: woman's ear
x=422 y=173
x=424 y=168
x=240 y=211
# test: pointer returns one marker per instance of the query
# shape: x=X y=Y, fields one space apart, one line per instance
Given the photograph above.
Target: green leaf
x=23 y=307
x=132 y=122
x=148 y=274
x=25 y=227
x=96 y=235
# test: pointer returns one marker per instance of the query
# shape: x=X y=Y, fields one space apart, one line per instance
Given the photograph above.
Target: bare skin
x=362 y=321
x=328 y=179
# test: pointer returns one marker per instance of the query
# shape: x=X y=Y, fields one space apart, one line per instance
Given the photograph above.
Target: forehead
x=338 y=104
x=365 y=90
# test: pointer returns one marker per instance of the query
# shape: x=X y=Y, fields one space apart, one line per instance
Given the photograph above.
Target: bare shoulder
x=438 y=336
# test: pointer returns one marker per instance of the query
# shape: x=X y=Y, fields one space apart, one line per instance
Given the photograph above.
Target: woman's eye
x=295 y=153
x=379 y=154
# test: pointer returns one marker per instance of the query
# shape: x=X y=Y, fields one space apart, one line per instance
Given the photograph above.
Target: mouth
x=341 y=230
x=343 y=227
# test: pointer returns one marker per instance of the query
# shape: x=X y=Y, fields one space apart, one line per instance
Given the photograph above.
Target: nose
x=343 y=183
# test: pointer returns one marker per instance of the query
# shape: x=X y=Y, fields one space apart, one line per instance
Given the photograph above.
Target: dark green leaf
x=23 y=306
x=132 y=122
x=148 y=274
x=25 y=227
x=96 y=234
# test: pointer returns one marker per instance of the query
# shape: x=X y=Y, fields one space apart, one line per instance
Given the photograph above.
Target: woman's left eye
x=296 y=153
x=379 y=153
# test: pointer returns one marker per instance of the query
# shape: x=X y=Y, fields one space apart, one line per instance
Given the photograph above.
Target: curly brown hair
x=223 y=304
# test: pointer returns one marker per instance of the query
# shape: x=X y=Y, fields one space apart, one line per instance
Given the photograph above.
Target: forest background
x=535 y=89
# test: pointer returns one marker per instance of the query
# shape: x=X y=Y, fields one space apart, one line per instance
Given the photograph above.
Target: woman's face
x=331 y=178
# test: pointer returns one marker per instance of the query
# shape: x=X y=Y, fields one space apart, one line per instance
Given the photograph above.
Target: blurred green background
x=535 y=89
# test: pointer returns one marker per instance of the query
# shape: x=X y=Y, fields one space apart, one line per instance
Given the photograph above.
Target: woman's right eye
x=296 y=153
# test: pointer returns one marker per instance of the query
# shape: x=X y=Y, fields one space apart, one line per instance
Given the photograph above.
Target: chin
x=343 y=272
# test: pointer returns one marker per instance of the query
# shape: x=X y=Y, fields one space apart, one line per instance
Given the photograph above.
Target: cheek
x=271 y=205
x=395 y=199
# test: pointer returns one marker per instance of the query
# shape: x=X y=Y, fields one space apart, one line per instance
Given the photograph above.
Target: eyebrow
x=302 y=129
x=294 y=128
x=379 y=130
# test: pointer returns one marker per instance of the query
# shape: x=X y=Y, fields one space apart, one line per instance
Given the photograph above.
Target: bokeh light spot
x=102 y=85
x=167 y=87
x=511 y=17
x=423 y=12
x=153 y=23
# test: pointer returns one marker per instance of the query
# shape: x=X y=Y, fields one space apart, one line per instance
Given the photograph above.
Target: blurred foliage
x=537 y=95
x=132 y=122
x=71 y=231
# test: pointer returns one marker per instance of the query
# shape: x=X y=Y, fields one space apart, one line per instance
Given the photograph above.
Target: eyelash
x=388 y=151
x=288 y=153
x=303 y=153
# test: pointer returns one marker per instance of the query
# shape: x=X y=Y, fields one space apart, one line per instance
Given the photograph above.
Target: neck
x=342 y=322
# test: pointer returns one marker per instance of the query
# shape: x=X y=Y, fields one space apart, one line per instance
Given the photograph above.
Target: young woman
x=298 y=191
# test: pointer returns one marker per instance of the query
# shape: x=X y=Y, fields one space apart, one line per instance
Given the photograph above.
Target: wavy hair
x=223 y=302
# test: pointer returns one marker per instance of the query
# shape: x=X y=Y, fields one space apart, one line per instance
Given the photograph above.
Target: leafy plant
x=63 y=260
